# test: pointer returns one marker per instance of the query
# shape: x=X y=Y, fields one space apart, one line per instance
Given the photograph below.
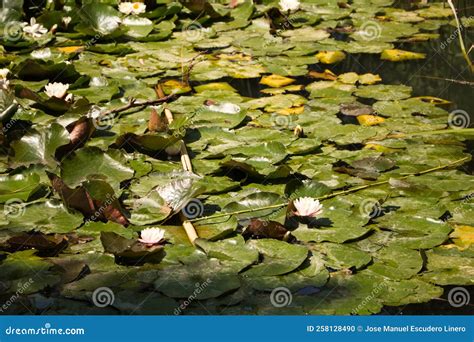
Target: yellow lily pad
x=422 y=37
x=463 y=236
x=276 y=81
x=175 y=86
x=380 y=148
x=71 y=49
x=325 y=75
x=234 y=57
x=348 y=78
x=291 y=111
x=370 y=120
x=396 y=55
x=214 y=86
x=330 y=57
x=433 y=100
x=369 y=79
x=290 y=88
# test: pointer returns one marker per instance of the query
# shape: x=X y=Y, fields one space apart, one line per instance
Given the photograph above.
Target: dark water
x=441 y=74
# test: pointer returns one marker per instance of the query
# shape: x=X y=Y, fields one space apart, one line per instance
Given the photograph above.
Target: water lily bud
x=298 y=131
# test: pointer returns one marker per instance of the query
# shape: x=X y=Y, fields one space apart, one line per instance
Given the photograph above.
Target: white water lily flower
x=151 y=236
x=41 y=54
x=99 y=81
x=227 y=107
x=138 y=8
x=110 y=24
x=125 y=7
x=66 y=20
x=307 y=206
x=289 y=5
x=4 y=84
x=56 y=89
x=132 y=7
x=4 y=73
x=35 y=30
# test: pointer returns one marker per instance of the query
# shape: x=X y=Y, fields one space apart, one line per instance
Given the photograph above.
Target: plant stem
x=449 y=79
x=461 y=41
x=334 y=194
x=460 y=131
x=273 y=206
x=132 y=103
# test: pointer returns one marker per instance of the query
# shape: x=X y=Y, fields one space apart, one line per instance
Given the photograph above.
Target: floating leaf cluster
x=90 y=159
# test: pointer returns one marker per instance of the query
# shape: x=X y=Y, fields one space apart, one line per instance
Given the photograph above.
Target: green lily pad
x=278 y=257
x=40 y=147
x=91 y=161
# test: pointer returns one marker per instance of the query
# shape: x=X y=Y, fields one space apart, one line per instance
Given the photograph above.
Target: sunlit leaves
x=40 y=147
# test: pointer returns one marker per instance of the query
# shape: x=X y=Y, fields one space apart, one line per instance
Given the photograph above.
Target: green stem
x=435 y=132
x=334 y=194
x=461 y=41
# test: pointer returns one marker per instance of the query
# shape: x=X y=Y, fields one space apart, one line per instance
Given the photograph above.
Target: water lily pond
x=236 y=157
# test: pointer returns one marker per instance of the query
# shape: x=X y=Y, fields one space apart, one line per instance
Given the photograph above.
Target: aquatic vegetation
x=155 y=149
